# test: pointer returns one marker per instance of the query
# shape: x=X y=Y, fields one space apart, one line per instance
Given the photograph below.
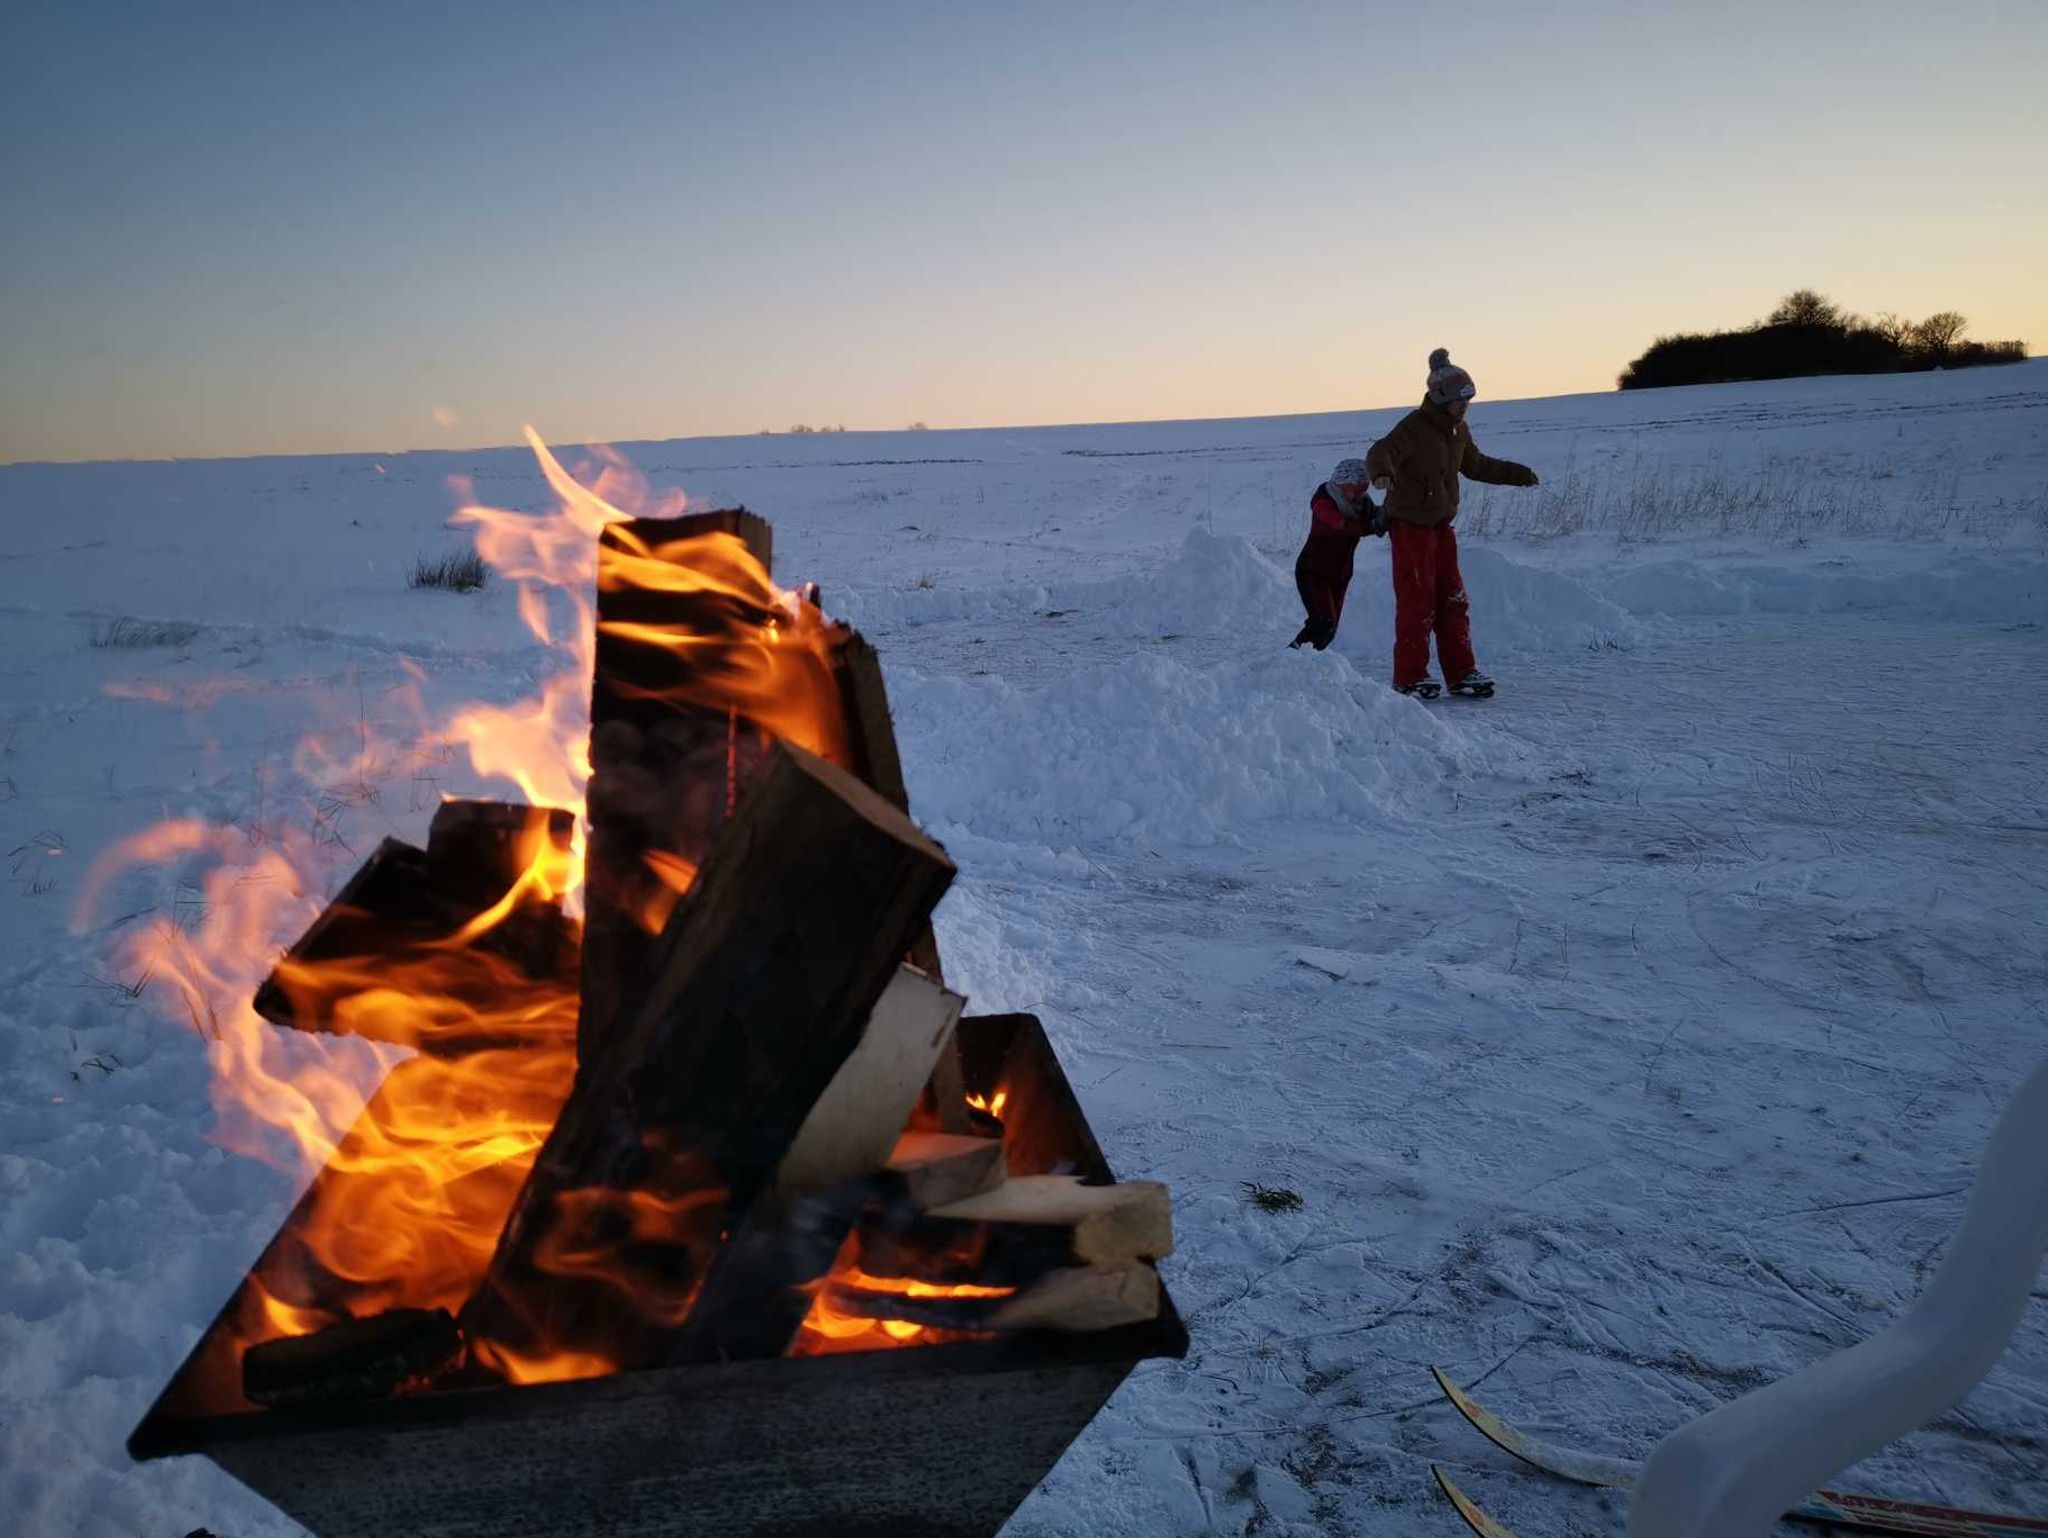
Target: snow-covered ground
x=1629 y=1039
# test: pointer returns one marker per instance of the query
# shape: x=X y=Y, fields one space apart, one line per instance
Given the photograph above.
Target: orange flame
x=828 y=1329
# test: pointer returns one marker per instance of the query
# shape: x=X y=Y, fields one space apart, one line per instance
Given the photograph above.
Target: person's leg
x=1305 y=579
x=1414 y=550
x=1340 y=580
x=1309 y=586
x=1322 y=574
x=1453 y=617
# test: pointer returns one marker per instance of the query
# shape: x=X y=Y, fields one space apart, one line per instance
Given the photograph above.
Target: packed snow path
x=1629 y=1039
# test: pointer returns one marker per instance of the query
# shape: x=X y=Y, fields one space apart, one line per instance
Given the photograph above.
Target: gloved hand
x=1376 y=525
x=1526 y=478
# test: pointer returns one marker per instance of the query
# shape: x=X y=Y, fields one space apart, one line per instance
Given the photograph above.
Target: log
x=1074 y=1299
x=850 y=1131
x=1085 y=1298
x=665 y=776
x=1022 y=1229
x=754 y=1300
x=870 y=729
x=401 y=907
x=756 y=993
x=938 y=1167
x=356 y=1360
x=477 y=850
x=1109 y=1225
x=873 y=754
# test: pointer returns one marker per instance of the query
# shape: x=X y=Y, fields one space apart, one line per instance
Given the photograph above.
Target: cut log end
x=938 y=1168
x=1111 y=1225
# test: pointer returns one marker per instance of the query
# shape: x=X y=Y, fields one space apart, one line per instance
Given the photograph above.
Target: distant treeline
x=1807 y=334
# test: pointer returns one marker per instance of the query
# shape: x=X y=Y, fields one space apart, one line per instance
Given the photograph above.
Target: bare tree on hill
x=1804 y=307
x=1938 y=334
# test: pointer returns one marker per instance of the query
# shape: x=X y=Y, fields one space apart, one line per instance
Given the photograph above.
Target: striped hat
x=1448 y=382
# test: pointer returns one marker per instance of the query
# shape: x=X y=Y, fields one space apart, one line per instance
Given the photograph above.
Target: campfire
x=697 y=1180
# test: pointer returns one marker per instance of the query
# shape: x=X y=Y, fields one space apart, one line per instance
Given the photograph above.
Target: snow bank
x=1219 y=583
x=2011 y=590
x=1155 y=749
x=1517 y=608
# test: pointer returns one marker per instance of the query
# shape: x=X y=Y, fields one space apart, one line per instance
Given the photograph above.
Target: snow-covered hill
x=1629 y=1038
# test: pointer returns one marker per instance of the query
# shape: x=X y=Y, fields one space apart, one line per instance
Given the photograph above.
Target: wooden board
x=855 y=1123
x=665 y=777
x=399 y=909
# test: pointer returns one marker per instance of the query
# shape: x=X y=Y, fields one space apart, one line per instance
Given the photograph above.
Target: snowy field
x=1629 y=1039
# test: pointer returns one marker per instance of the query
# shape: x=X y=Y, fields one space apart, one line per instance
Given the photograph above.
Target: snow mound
x=1220 y=584
x=1156 y=750
x=1217 y=583
x=1516 y=608
x=2012 y=590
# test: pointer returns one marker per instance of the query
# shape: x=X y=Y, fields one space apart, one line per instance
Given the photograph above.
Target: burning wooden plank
x=355 y=1360
x=754 y=1300
x=1075 y=1299
x=468 y=918
x=756 y=994
x=1022 y=1229
x=667 y=768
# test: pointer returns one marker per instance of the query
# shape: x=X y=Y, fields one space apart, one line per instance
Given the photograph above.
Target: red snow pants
x=1322 y=572
x=1428 y=595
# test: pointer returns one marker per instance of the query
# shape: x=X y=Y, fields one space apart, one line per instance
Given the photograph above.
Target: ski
x=1475 y=1519
x=1834 y=1508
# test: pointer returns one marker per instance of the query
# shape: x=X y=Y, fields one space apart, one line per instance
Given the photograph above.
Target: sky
x=300 y=228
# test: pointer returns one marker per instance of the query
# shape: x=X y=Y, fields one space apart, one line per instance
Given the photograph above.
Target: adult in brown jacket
x=1418 y=465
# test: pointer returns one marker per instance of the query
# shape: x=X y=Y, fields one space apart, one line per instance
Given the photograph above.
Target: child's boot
x=1318 y=633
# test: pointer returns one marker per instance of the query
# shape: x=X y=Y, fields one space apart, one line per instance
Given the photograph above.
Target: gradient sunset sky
x=293 y=228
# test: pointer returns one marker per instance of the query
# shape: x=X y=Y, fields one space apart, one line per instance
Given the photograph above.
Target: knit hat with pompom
x=1448 y=382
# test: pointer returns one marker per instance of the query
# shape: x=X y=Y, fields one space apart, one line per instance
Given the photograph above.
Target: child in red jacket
x=1340 y=514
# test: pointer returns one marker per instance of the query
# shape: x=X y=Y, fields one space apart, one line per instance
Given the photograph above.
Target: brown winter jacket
x=1422 y=459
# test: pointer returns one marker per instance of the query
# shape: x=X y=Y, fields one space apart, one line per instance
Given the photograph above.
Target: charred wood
x=355 y=1360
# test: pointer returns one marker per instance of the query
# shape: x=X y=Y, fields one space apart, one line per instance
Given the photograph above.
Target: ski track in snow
x=1631 y=1038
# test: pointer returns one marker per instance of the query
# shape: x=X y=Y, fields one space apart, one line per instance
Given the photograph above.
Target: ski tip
x=1468 y=1407
x=1467 y=1508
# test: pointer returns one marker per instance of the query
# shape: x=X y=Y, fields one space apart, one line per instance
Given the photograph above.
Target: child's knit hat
x=1448 y=382
x=1351 y=472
